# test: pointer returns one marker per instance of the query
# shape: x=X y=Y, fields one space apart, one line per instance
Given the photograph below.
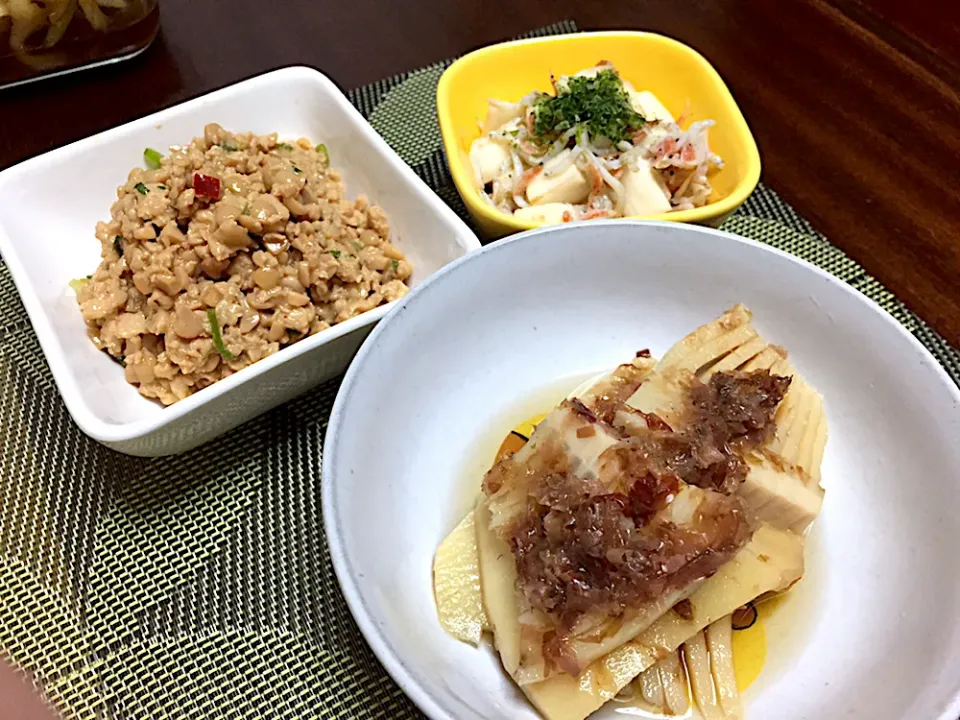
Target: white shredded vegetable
x=517 y=178
x=614 y=184
x=682 y=158
x=561 y=162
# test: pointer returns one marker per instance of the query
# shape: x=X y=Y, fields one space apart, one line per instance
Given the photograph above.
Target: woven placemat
x=201 y=585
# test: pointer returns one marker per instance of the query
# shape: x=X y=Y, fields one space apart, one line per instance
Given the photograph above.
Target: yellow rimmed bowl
x=678 y=75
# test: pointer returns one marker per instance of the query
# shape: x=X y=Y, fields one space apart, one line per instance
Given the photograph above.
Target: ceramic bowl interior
x=676 y=73
x=872 y=630
x=50 y=205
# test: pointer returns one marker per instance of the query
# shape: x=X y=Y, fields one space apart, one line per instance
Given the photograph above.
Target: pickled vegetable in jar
x=49 y=37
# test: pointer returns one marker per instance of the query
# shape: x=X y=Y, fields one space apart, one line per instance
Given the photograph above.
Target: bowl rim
x=389 y=656
x=108 y=432
x=470 y=195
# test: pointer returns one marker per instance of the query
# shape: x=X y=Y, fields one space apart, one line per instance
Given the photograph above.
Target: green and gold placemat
x=201 y=585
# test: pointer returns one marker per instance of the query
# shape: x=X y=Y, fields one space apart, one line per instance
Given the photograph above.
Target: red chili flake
x=206 y=186
x=643 y=353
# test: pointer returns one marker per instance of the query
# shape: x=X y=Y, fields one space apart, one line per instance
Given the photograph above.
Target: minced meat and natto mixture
x=226 y=250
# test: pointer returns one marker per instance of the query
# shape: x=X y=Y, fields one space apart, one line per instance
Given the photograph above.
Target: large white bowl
x=875 y=630
x=49 y=207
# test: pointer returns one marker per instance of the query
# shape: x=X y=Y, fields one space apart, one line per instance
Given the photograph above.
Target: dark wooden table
x=854 y=103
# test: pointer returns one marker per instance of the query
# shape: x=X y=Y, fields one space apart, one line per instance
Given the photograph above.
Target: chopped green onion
x=152 y=158
x=78 y=283
x=217 y=338
x=285 y=146
x=118 y=245
x=229 y=146
x=141 y=188
x=335 y=253
x=356 y=246
x=246 y=209
x=394 y=264
x=322 y=149
x=161 y=187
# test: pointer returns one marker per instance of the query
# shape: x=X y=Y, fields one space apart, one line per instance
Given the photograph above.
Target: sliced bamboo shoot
x=720 y=645
x=783 y=368
x=807 y=458
x=765 y=360
x=801 y=432
x=787 y=415
x=807 y=410
x=770 y=562
x=819 y=444
x=736 y=358
x=674 y=679
x=456 y=584
x=591 y=390
x=728 y=340
x=498 y=579
x=663 y=393
x=651 y=688
x=560 y=426
x=711 y=353
x=682 y=353
x=633 y=624
x=644 y=646
x=779 y=497
x=701 y=679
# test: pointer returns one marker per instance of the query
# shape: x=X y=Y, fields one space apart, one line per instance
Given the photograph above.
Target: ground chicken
x=234 y=247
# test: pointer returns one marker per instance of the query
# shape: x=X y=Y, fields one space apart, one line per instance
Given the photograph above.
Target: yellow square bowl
x=678 y=75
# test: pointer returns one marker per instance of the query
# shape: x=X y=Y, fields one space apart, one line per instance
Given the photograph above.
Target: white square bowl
x=49 y=207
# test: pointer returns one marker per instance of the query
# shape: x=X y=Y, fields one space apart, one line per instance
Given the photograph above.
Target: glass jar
x=39 y=38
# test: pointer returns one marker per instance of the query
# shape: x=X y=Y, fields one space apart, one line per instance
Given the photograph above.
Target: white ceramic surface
x=49 y=207
x=878 y=634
